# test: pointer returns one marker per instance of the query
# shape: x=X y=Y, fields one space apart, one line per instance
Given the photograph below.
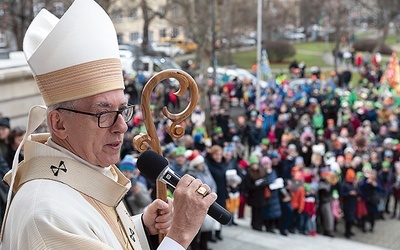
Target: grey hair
x=68 y=104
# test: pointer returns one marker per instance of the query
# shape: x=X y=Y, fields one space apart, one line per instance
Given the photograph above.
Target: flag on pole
x=265 y=68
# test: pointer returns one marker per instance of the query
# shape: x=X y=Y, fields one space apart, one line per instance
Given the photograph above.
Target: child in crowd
x=336 y=210
x=310 y=210
x=256 y=183
x=297 y=202
x=233 y=181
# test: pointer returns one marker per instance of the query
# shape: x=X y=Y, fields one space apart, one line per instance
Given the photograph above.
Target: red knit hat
x=195 y=158
x=243 y=164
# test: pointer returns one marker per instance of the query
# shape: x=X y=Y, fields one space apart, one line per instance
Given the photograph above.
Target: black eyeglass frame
x=98 y=115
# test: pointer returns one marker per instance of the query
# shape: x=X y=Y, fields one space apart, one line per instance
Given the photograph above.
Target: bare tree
x=386 y=12
x=149 y=14
x=196 y=17
x=338 y=13
x=149 y=11
x=18 y=14
x=16 y=18
x=310 y=12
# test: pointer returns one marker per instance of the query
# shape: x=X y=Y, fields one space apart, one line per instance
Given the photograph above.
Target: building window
x=163 y=33
x=134 y=36
x=3 y=39
x=134 y=14
x=120 y=38
x=175 y=32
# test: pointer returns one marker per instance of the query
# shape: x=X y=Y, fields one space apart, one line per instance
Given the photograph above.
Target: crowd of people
x=310 y=157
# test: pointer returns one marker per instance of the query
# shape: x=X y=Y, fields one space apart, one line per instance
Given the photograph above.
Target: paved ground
x=241 y=237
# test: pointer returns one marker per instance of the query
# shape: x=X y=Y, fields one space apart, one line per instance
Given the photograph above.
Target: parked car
x=168 y=49
x=186 y=45
x=244 y=41
x=135 y=50
x=292 y=35
x=233 y=73
x=149 y=66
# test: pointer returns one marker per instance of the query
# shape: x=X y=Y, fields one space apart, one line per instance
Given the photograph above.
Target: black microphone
x=155 y=167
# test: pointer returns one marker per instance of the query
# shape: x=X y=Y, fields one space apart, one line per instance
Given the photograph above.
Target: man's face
x=98 y=146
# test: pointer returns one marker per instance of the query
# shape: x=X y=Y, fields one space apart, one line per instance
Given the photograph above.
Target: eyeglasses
x=107 y=119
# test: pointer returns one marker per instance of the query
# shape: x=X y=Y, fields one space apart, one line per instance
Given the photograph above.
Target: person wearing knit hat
x=265 y=146
x=256 y=184
x=195 y=159
x=254 y=160
x=217 y=137
x=5 y=122
x=168 y=150
x=138 y=196
x=218 y=130
x=242 y=171
x=350 y=175
x=348 y=192
x=179 y=163
x=318 y=119
x=385 y=177
x=359 y=175
x=298 y=200
x=265 y=160
x=370 y=190
x=127 y=164
x=229 y=157
x=366 y=169
x=265 y=141
x=349 y=151
x=310 y=209
x=273 y=211
x=325 y=206
x=68 y=188
x=388 y=154
x=233 y=181
x=215 y=162
x=199 y=169
x=336 y=209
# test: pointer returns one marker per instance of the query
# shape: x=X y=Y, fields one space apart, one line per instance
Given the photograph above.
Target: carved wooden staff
x=150 y=140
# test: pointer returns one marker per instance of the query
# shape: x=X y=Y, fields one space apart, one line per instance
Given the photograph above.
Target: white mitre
x=75 y=56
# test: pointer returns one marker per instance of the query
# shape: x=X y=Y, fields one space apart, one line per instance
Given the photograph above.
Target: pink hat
x=265 y=160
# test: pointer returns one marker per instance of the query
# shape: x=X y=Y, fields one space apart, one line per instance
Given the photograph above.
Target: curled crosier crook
x=186 y=82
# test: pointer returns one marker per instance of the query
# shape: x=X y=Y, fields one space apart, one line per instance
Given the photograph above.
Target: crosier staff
x=143 y=142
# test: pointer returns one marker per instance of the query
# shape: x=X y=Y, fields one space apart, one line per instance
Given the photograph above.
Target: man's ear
x=56 y=124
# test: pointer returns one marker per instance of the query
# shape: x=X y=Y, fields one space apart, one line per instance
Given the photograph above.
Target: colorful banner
x=392 y=74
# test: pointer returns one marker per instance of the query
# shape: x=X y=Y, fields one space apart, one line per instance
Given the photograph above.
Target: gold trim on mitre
x=79 y=81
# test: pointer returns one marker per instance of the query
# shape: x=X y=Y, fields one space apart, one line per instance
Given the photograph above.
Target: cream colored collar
x=45 y=162
x=52 y=144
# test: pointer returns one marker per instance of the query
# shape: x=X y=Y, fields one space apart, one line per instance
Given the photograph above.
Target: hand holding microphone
x=192 y=198
x=155 y=167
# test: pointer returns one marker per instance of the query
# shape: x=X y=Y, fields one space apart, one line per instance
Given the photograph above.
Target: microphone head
x=151 y=164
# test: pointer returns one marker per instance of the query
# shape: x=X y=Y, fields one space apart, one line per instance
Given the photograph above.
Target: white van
x=148 y=65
